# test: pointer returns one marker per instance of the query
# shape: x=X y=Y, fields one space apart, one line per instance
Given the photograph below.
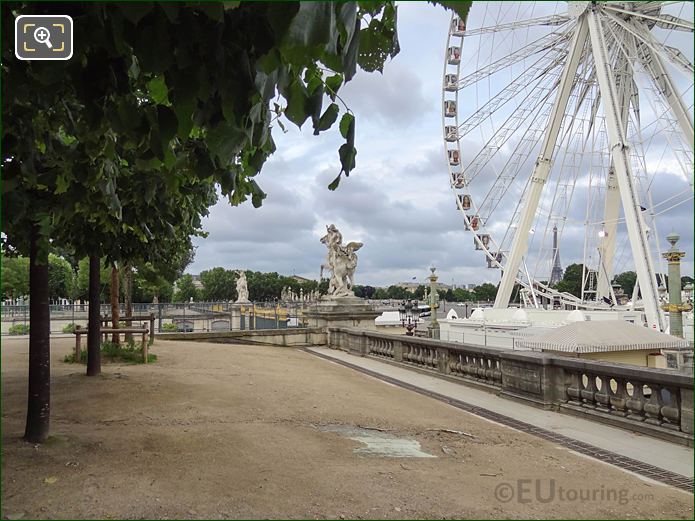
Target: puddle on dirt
x=378 y=443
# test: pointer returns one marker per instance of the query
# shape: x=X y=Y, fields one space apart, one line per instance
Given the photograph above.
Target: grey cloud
x=395 y=98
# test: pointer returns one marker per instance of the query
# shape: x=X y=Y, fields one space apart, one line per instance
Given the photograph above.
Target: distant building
x=301 y=280
x=412 y=286
x=197 y=282
x=557 y=272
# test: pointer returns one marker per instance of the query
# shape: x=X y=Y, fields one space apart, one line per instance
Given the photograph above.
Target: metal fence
x=168 y=317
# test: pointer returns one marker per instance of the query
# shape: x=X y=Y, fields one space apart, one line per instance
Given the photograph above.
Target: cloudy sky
x=398 y=201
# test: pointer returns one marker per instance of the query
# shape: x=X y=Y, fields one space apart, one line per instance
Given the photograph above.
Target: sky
x=398 y=200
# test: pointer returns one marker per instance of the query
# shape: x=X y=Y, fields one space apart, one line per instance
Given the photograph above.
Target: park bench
x=105 y=330
x=106 y=320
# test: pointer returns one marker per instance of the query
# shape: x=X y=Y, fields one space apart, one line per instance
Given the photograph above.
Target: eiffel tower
x=557 y=273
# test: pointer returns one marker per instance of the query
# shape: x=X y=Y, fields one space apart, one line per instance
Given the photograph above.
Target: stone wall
x=278 y=337
x=657 y=402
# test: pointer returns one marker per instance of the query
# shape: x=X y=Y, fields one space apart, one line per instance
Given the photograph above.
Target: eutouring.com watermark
x=549 y=491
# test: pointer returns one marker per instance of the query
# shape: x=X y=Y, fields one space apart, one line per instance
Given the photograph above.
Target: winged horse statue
x=341 y=261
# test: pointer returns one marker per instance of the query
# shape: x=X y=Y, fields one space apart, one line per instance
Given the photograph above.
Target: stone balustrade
x=658 y=402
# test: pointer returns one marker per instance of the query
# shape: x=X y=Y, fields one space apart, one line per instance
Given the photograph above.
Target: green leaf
x=155 y=141
x=347 y=126
x=333 y=84
x=225 y=141
x=327 y=119
x=461 y=8
x=158 y=90
x=184 y=112
x=369 y=7
x=349 y=57
x=297 y=98
x=347 y=15
x=314 y=24
x=168 y=124
x=334 y=184
x=379 y=40
x=62 y=184
x=257 y=195
x=347 y=155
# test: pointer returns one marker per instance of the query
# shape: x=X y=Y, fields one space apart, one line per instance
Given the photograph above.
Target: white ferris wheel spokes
x=571 y=116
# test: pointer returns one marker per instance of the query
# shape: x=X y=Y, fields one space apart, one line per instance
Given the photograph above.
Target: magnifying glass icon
x=42 y=35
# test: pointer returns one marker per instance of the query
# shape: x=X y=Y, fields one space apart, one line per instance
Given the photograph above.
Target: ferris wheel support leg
x=542 y=167
x=610 y=228
x=621 y=160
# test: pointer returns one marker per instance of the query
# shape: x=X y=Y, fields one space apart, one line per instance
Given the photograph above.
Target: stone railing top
x=664 y=377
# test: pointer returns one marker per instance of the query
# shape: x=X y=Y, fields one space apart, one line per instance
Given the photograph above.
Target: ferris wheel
x=568 y=127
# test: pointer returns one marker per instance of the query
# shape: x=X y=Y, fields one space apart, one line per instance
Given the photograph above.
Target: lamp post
x=409 y=316
x=675 y=306
x=434 y=304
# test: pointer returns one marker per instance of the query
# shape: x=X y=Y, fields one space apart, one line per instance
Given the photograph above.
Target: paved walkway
x=661 y=454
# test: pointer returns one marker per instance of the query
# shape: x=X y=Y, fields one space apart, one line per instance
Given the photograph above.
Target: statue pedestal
x=341 y=312
x=239 y=309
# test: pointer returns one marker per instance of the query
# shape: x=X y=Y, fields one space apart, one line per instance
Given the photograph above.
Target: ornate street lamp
x=409 y=315
x=434 y=304
x=674 y=306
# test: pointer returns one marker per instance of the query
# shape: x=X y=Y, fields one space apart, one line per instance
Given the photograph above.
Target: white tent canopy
x=601 y=336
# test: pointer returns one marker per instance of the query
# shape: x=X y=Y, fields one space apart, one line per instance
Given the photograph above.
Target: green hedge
x=19 y=329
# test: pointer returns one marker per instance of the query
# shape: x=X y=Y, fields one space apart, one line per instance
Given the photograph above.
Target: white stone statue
x=342 y=261
x=242 y=288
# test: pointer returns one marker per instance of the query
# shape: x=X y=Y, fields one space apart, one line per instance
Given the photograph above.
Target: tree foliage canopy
x=119 y=146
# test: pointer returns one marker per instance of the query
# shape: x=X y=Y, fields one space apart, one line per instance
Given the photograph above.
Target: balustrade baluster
x=619 y=398
x=588 y=392
x=481 y=368
x=635 y=403
x=497 y=372
x=488 y=369
x=470 y=368
x=652 y=408
x=603 y=395
x=670 y=412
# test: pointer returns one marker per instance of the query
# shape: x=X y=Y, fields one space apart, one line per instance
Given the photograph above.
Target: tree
x=626 y=281
x=572 y=280
x=15 y=277
x=398 y=293
x=381 y=294
x=486 y=292
x=61 y=278
x=419 y=292
x=146 y=288
x=143 y=116
x=218 y=284
x=185 y=289
x=462 y=295
x=82 y=279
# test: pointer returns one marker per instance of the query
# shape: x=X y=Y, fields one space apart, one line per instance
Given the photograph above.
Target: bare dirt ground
x=231 y=431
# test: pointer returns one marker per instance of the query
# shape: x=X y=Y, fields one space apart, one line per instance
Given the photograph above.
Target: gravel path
x=234 y=431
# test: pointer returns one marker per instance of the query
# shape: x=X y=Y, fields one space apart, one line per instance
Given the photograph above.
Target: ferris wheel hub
x=576 y=9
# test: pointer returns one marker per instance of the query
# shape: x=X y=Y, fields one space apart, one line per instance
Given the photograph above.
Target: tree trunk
x=128 y=294
x=115 y=311
x=39 y=400
x=94 y=324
